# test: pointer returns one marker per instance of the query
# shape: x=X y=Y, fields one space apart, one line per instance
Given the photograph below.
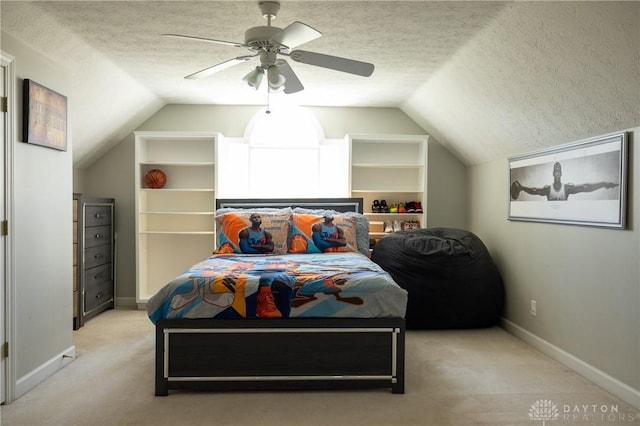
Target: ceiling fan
x=267 y=43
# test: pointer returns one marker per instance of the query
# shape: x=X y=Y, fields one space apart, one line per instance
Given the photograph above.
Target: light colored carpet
x=454 y=377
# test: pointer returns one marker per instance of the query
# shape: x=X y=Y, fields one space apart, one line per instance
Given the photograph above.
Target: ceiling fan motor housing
x=260 y=37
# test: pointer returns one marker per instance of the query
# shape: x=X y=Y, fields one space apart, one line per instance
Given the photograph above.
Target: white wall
x=585 y=280
x=42 y=234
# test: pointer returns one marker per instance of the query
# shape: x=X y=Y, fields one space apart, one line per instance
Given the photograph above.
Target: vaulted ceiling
x=486 y=79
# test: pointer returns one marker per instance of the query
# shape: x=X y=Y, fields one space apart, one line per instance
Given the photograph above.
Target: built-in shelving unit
x=390 y=168
x=175 y=223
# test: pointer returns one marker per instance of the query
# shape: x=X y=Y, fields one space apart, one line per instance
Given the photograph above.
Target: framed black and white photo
x=581 y=183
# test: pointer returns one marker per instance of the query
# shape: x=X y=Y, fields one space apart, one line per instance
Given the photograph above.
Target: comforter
x=344 y=285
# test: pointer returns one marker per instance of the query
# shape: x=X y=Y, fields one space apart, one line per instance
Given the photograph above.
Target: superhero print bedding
x=346 y=285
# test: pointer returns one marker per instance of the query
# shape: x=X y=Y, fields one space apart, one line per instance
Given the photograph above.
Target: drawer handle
x=98 y=215
x=99 y=295
x=97 y=256
x=97 y=236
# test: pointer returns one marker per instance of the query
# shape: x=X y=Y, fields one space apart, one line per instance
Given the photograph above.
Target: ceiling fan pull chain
x=268 y=111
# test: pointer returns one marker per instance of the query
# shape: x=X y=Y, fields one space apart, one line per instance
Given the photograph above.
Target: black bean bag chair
x=449 y=274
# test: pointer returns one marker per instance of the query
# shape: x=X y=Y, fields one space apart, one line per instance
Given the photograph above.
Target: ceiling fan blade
x=208 y=40
x=219 y=67
x=351 y=66
x=292 y=84
x=295 y=34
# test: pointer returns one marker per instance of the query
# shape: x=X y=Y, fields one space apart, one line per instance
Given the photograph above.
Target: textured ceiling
x=468 y=72
x=397 y=38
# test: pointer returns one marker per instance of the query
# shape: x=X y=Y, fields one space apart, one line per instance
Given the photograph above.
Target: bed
x=294 y=315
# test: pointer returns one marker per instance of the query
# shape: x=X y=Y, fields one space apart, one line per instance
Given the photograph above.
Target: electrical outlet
x=533 y=307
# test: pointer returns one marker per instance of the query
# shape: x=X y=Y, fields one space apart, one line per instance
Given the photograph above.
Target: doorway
x=7 y=120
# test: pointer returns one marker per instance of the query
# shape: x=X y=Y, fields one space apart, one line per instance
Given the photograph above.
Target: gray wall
x=112 y=175
x=585 y=280
x=41 y=232
x=446 y=189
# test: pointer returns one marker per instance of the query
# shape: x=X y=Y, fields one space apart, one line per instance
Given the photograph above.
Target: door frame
x=7 y=323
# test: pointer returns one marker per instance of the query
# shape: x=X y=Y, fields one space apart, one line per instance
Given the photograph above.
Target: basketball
x=155 y=178
x=515 y=190
x=298 y=244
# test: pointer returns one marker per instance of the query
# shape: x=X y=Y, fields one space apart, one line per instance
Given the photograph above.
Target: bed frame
x=291 y=353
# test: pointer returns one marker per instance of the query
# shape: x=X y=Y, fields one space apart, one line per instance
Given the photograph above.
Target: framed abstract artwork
x=581 y=183
x=44 y=116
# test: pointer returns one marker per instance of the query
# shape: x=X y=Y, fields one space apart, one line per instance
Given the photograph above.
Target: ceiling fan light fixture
x=276 y=79
x=254 y=78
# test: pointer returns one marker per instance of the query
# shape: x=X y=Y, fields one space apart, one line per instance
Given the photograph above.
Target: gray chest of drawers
x=96 y=257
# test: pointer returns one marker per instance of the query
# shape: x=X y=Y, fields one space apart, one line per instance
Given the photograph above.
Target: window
x=284 y=155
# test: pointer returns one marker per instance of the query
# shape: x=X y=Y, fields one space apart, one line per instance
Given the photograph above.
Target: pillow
x=362 y=225
x=312 y=233
x=271 y=227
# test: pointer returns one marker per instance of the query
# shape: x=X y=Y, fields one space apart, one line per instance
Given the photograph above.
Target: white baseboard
x=599 y=377
x=29 y=381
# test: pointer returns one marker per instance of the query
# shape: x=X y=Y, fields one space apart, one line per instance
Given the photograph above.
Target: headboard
x=337 y=204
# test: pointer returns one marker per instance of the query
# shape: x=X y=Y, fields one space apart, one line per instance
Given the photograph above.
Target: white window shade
x=233 y=168
x=282 y=173
x=284 y=155
x=285 y=128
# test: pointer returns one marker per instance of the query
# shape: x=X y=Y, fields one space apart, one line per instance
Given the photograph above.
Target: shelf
x=386 y=166
x=388 y=150
x=177 y=189
x=393 y=214
x=176 y=148
x=178 y=163
x=170 y=200
x=174 y=224
x=177 y=213
x=178 y=232
x=165 y=255
x=405 y=179
x=387 y=191
x=390 y=168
